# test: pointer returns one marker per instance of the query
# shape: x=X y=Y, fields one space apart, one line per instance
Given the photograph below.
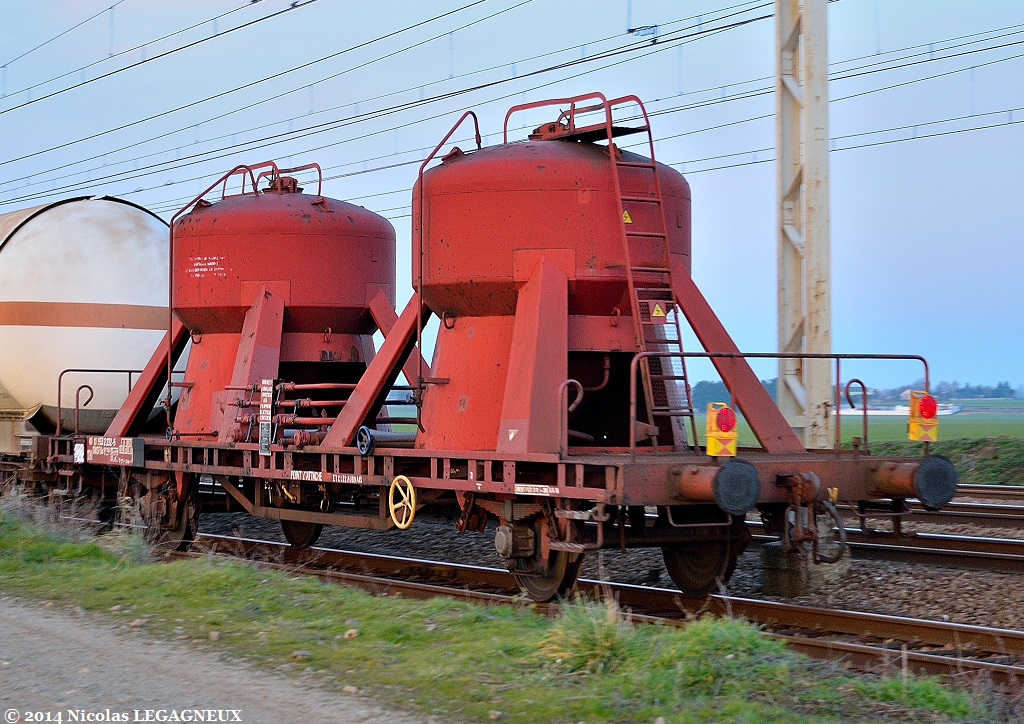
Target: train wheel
x=698 y=568
x=177 y=537
x=300 y=534
x=557 y=580
x=162 y=533
x=547 y=574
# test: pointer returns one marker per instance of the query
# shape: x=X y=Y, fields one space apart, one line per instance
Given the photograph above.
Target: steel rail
x=999 y=555
x=966 y=648
x=982 y=515
x=1001 y=492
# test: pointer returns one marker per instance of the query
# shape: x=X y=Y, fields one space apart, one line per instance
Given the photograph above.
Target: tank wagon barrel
x=82 y=287
x=556 y=401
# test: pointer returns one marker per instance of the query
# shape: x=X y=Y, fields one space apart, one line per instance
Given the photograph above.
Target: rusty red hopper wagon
x=556 y=401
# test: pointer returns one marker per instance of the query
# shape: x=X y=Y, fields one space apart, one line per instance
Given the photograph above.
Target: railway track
x=994 y=492
x=998 y=555
x=870 y=642
x=984 y=515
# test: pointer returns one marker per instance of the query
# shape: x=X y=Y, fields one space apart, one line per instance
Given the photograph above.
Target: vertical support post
x=537 y=365
x=804 y=258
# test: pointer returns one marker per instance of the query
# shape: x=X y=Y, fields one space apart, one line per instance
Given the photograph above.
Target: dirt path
x=62 y=661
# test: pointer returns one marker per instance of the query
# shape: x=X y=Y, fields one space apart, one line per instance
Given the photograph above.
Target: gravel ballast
x=899 y=589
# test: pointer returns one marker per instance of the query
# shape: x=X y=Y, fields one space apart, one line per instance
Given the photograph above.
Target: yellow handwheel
x=403 y=510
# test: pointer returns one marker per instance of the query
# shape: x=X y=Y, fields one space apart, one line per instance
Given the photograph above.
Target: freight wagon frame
x=556 y=401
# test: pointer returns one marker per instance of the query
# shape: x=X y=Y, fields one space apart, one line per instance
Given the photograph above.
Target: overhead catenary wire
x=675 y=135
x=236 y=110
x=61 y=34
x=723 y=99
x=693 y=106
x=333 y=125
x=294 y=6
x=127 y=51
x=252 y=105
x=305 y=84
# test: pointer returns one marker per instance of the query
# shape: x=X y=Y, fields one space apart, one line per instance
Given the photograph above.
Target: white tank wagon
x=83 y=285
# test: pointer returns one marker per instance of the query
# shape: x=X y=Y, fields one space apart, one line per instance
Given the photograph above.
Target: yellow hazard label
x=923 y=431
x=626 y=218
x=722 y=445
x=657 y=311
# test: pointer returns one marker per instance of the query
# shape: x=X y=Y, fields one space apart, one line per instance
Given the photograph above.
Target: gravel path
x=60 y=660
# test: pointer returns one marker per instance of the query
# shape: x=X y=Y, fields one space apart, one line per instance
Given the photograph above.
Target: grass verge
x=987 y=461
x=461 y=661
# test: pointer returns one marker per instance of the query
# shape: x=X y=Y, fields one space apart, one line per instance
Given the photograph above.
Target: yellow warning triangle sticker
x=658 y=311
x=626 y=218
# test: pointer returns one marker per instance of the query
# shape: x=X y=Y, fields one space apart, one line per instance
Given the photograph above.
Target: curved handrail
x=573 y=102
x=278 y=172
x=633 y=367
x=89 y=370
x=864 y=407
x=564 y=408
x=419 y=237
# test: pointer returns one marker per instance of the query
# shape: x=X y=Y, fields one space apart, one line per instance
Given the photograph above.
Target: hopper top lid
x=585 y=134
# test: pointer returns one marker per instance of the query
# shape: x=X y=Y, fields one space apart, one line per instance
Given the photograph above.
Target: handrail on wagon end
x=764 y=355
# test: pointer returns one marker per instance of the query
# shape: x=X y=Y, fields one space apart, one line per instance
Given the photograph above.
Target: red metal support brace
x=763 y=416
x=380 y=375
x=146 y=391
x=530 y=420
x=386 y=319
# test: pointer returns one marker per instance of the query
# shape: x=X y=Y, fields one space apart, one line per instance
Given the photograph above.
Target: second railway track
x=867 y=641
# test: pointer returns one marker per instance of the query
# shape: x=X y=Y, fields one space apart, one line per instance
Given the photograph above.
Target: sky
x=152 y=102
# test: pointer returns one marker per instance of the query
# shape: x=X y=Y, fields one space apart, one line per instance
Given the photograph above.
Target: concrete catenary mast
x=805 y=299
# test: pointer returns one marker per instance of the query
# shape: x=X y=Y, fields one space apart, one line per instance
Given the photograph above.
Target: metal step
x=646 y=234
x=641 y=199
x=635 y=164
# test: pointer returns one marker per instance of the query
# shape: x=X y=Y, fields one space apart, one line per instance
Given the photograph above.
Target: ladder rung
x=672 y=412
x=652 y=234
x=635 y=164
x=650 y=269
x=668 y=377
x=642 y=199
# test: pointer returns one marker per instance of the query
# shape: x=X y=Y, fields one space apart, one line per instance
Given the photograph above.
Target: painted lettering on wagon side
x=317 y=476
x=110 y=450
x=536 y=490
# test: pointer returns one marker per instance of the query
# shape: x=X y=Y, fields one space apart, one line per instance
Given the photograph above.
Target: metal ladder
x=641 y=223
x=649 y=277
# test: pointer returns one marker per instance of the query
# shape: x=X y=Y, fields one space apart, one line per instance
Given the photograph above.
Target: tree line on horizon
x=707 y=391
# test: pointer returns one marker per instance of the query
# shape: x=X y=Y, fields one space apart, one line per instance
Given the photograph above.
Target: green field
x=986 y=448
x=951 y=427
x=974 y=425
x=1007 y=404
